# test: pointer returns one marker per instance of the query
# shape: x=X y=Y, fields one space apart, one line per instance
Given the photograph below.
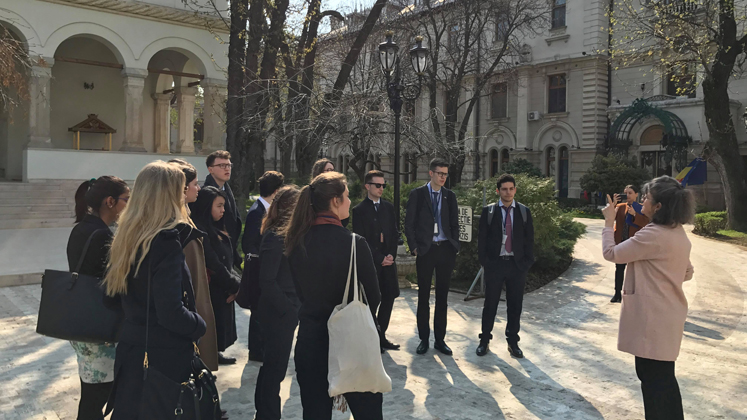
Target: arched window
x=493 y=163
x=564 y=171
x=505 y=158
x=550 y=162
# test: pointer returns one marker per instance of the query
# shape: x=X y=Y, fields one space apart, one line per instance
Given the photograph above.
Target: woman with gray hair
x=654 y=307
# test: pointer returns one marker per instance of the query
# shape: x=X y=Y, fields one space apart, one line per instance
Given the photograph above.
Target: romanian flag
x=696 y=173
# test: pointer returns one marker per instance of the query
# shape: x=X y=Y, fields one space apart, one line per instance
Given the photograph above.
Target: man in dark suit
x=269 y=184
x=219 y=165
x=505 y=248
x=432 y=231
x=374 y=220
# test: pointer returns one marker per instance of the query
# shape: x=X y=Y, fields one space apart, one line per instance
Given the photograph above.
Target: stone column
x=134 y=83
x=40 y=92
x=185 y=103
x=214 y=115
x=522 y=109
x=162 y=122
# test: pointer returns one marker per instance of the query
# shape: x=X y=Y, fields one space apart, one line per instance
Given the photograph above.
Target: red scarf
x=326 y=218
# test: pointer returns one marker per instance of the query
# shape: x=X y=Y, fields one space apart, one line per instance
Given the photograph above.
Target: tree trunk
x=236 y=51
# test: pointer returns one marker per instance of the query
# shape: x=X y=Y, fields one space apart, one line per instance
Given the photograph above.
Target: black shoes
x=223 y=360
x=515 y=351
x=442 y=347
x=422 y=347
x=482 y=349
x=388 y=345
x=255 y=356
x=617 y=298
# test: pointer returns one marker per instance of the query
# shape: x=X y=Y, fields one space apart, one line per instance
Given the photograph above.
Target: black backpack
x=522 y=209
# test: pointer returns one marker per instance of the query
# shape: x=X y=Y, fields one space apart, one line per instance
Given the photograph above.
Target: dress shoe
x=442 y=347
x=422 y=347
x=515 y=350
x=482 y=349
x=617 y=298
x=256 y=356
x=388 y=345
x=223 y=360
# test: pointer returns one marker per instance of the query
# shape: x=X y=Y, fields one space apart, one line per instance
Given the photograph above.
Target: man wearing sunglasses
x=374 y=220
x=432 y=230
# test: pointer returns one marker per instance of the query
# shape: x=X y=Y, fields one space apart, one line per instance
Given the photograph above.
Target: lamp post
x=399 y=91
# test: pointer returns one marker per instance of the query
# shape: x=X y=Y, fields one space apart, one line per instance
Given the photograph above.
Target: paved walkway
x=26 y=253
x=572 y=369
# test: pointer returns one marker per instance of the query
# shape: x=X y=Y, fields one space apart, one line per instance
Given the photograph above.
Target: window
x=558 y=14
x=550 y=162
x=505 y=158
x=499 y=101
x=655 y=163
x=493 y=163
x=681 y=80
x=502 y=25
x=453 y=37
x=563 y=172
x=556 y=102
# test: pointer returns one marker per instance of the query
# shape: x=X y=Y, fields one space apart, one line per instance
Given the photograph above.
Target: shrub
x=708 y=224
x=610 y=175
x=522 y=166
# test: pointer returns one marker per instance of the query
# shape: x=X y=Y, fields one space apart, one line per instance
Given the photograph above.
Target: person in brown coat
x=654 y=307
x=194 y=254
x=628 y=221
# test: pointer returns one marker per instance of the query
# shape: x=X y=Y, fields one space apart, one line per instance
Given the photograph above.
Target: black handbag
x=249 y=291
x=72 y=306
x=164 y=398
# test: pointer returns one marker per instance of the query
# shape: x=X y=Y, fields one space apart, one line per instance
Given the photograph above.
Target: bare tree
x=709 y=35
x=14 y=69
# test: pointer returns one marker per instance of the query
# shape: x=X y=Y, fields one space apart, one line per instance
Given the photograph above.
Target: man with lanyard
x=505 y=248
x=432 y=231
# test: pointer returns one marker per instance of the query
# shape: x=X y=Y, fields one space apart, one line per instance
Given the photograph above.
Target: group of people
x=183 y=240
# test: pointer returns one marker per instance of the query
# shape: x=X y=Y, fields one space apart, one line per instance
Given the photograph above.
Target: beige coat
x=195 y=257
x=654 y=307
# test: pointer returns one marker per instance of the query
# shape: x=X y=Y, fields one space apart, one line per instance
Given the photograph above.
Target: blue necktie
x=435 y=206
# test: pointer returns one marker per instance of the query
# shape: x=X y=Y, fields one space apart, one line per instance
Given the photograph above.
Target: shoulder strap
x=85 y=249
x=147 y=320
x=491 y=211
x=523 y=210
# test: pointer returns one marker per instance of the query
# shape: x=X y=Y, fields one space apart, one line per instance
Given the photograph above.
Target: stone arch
x=559 y=132
x=119 y=47
x=190 y=49
x=499 y=137
x=640 y=128
x=20 y=27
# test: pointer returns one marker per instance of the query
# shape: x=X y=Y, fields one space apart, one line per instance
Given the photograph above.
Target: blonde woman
x=152 y=231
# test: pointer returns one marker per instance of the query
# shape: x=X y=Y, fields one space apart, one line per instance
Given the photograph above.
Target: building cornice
x=153 y=12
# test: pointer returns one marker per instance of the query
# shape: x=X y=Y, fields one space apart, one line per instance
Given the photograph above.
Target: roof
x=92 y=124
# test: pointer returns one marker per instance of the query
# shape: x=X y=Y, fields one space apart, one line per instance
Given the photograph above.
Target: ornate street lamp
x=399 y=91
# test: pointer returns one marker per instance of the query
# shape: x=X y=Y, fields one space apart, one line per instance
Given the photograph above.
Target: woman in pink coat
x=654 y=307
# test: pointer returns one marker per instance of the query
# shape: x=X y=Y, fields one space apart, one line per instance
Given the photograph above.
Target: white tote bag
x=354 y=352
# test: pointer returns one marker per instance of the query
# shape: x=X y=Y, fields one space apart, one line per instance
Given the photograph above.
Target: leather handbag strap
x=147 y=321
x=85 y=249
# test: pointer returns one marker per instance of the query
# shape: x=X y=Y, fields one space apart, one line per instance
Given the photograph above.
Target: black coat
x=94 y=263
x=173 y=325
x=372 y=225
x=419 y=219
x=231 y=217
x=224 y=282
x=490 y=238
x=252 y=238
x=279 y=295
x=320 y=272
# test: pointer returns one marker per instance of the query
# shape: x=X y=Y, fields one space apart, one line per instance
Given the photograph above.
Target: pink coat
x=654 y=307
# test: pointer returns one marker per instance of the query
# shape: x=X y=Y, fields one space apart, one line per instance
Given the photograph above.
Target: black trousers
x=278 y=343
x=384 y=315
x=496 y=275
x=311 y=373
x=661 y=393
x=93 y=397
x=619 y=277
x=256 y=344
x=442 y=259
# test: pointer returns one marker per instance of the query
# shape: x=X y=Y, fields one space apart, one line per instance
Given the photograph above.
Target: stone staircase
x=48 y=204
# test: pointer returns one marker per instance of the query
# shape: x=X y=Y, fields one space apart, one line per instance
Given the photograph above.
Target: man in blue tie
x=432 y=231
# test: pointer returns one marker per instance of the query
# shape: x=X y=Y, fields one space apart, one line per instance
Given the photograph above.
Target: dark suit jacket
x=252 y=239
x=371 y=224
x=275 y=279
x=94 y=263
x=490 y=238
x=419 y=219
x=231 y=218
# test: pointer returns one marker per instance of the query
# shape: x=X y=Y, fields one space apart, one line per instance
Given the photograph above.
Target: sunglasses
x=377 y=185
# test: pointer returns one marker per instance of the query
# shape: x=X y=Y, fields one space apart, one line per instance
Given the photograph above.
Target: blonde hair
x=156 y=204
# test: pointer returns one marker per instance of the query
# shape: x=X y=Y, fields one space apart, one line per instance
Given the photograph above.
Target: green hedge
x=708 y=224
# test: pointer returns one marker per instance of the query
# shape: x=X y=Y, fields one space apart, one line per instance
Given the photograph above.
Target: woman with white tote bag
x=319 y=252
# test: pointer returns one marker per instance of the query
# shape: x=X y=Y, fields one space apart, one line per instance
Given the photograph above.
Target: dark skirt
x=174 y=363
x=225 y=319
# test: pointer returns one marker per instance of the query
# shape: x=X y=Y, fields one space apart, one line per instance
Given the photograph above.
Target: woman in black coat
x=318 y=249
x=207 y=213
x=147 y=248
x=98 y=204
x=278 y=312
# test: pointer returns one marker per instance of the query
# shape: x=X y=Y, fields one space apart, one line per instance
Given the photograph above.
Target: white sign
x=465 y=223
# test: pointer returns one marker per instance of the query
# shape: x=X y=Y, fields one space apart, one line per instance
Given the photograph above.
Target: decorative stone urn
x=405 y=266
